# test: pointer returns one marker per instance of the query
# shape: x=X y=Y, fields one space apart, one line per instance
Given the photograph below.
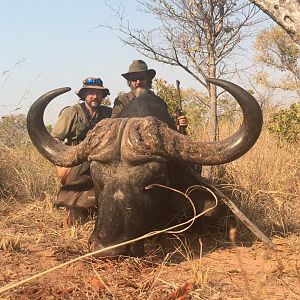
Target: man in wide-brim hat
x=139 y=68
x=139 y=79
x=71 y=128
x=92 y=83
x=75 y=121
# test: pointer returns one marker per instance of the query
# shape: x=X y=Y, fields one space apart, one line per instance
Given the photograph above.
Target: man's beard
x=140 y=91
x=93 y=104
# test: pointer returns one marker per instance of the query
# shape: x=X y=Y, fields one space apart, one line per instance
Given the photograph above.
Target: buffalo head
x=128 y=154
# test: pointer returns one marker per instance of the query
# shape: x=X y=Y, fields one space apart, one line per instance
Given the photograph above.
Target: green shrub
x=286 y=124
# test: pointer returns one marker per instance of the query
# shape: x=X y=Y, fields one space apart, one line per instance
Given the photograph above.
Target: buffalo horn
x=229 y=149
x=57 y=153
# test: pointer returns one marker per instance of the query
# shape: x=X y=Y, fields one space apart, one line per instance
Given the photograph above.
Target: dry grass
x=190 y=268
x=25 y=174
x=21 y=219
x=265 y=184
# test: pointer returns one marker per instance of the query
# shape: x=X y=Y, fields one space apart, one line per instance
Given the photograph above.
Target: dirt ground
x=191 y=266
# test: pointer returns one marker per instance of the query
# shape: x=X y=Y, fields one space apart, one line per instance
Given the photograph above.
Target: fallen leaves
x=96 y=282
x=181 y=293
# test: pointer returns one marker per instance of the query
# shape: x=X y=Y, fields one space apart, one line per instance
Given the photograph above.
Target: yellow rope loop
x=189 y=190
x=191 y=221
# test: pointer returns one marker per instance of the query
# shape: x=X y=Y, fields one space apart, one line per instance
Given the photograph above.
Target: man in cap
x=139 y=79
x=71 y=128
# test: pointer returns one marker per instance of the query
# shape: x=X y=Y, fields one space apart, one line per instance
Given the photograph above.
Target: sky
x=48 y=44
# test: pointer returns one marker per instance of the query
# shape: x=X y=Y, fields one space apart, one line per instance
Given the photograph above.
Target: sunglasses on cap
x=93 y=81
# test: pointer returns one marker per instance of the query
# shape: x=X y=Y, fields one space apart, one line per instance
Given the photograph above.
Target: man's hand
x=182 y=121
x=62 y=172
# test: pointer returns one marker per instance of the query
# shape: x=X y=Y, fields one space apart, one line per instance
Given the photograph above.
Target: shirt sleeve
x=64 y=127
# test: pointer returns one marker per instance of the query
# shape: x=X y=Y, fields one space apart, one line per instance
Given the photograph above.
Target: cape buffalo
x=127 y=155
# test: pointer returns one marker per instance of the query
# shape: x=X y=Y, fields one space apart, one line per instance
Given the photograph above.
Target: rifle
x=179 y=109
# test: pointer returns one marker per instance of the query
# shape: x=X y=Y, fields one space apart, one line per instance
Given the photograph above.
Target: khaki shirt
x=72 y=124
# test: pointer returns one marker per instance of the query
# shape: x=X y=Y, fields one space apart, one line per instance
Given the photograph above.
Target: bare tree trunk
x=213 y=112
x=285 y=13
x=212 y=89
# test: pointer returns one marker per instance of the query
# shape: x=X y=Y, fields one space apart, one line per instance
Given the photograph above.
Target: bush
x=13 y=131
x=286 y=124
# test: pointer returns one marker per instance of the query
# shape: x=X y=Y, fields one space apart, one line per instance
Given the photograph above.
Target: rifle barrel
x=179 y=94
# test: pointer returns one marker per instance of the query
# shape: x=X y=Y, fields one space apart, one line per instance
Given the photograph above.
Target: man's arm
x=64 y=124
x=60 y=132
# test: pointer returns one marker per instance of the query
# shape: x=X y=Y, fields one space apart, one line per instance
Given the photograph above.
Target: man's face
x=93 y=98
x=138 y=82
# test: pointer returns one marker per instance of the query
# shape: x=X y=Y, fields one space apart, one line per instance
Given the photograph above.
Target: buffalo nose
x=94 y=245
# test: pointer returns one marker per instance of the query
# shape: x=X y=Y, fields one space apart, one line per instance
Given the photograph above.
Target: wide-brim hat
x=93 y=83
x=138 y=66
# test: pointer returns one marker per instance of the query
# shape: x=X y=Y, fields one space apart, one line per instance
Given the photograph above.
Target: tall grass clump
x=24 y=173
x=265 y=183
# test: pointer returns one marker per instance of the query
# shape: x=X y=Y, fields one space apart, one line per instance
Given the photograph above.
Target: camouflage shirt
x=74 y=122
